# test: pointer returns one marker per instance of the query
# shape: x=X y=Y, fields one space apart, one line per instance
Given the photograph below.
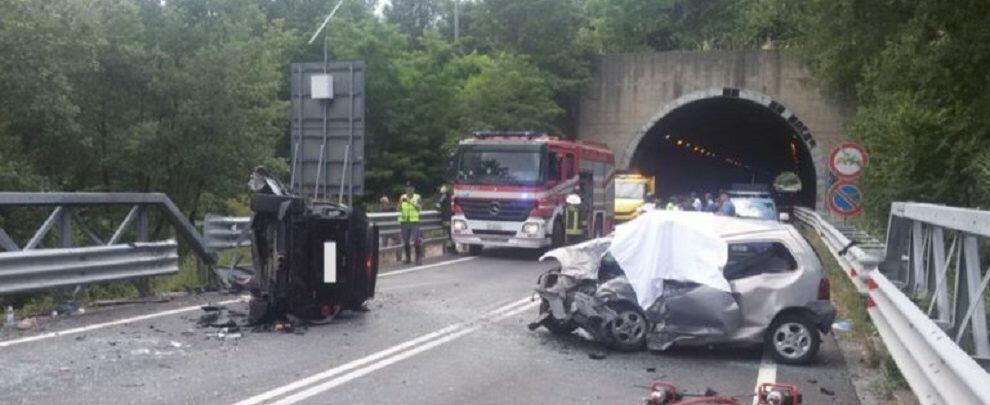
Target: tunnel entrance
x=708 y=145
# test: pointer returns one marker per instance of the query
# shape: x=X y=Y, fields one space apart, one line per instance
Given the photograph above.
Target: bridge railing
x=221 y=233
x=928 y=305
x=66 y=250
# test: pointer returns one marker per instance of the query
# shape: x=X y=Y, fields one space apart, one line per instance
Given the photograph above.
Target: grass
x=851 y=305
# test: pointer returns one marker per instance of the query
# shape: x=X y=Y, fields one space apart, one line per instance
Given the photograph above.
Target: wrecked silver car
x=691 y=278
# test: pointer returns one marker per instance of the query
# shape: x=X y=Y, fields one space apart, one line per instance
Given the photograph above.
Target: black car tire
x=627 y=333
x=793 y=339
x=475 y=250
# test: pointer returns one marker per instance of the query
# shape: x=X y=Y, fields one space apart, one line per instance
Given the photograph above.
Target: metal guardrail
x=221 y=233
x=927 y=342
x=35 y=267
x=35 y=270
x=430 y=228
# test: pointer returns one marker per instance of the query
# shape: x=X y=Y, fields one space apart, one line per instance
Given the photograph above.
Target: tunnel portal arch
x=811 y=194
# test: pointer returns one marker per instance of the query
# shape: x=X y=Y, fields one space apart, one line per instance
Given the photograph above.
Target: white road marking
x=425 y=266
x=318 y=389
x=767 y=373
x=88 y=328
x=384 y=358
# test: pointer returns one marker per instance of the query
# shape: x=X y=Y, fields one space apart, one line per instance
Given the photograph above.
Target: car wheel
x=793 y=339
x=627 y=332
x=554 y=325
x=474 y=250
x=557 y=238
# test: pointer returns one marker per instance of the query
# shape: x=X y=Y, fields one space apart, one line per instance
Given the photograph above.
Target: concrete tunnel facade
x=740 y=116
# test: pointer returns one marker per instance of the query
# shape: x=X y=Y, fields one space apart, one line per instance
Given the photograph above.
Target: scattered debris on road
x=27 y=323
x=597 y=355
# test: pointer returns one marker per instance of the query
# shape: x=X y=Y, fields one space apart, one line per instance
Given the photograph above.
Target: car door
x=762 y=274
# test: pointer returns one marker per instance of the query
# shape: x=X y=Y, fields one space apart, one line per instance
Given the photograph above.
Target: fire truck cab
x=510 y=189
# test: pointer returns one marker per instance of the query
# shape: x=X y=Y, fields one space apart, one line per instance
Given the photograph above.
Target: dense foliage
x=185 y=96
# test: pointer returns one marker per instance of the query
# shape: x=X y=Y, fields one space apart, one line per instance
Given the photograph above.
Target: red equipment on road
x=666 y=393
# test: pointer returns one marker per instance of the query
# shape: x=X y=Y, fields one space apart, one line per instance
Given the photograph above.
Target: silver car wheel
x=792 y=340
x=629 y=327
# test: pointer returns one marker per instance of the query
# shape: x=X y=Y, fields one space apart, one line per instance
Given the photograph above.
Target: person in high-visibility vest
x=573 y=227
x=409 y=206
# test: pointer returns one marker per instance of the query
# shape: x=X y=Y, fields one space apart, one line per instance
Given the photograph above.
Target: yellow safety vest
x=573 y=222
x=409 y=208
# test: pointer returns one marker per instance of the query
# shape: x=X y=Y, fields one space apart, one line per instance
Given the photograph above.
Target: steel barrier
x=36 y=270
x=221 y=233
x=79 y=255
x=928 y=342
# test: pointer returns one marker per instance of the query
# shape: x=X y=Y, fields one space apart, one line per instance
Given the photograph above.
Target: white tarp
x=670 y=245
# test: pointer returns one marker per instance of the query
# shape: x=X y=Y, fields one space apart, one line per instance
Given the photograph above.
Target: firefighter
x=444 y=206
x=573 y=229
x=409 y=206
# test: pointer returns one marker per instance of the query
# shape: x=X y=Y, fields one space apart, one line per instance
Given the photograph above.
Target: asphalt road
x=449 y=332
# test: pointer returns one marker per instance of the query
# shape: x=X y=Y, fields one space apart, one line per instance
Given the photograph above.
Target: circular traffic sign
x=848 y=160
x=845 y=199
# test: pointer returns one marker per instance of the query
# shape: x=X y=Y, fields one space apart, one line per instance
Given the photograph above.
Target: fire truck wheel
x=557 y=238
x=474 y=250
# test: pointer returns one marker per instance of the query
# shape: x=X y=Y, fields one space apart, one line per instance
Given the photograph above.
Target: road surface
x=449 y=332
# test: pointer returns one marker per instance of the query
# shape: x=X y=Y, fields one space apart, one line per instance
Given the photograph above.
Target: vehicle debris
x=684 y=278
x=842 y=325
x=218 y=316
x=310 y=259
x=27 y=323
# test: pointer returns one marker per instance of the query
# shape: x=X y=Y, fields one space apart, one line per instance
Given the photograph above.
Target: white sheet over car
x=670 y=245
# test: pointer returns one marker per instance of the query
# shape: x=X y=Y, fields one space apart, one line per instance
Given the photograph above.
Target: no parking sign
x=846 y=163
x=845 y=199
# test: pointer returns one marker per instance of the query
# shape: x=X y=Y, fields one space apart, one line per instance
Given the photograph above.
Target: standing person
x=709 y=203
x=385 y=205
x=725 y=206
x=696 y=202
x=410 y=205
x=443 y=205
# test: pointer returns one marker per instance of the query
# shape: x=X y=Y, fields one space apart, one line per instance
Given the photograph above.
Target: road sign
x=848 y=160
x=328 y=130
x=845 y=199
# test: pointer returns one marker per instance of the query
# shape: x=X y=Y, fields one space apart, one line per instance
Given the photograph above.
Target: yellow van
x=631 y=191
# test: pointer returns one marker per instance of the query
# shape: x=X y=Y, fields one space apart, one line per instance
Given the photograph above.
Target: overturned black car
x=310 y=261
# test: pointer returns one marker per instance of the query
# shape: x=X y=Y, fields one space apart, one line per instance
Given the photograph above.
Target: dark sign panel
x=328 y=130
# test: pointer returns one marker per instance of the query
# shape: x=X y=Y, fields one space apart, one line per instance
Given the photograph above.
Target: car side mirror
x=785 y=217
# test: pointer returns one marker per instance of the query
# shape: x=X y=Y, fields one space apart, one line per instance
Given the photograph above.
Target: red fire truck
x=510 y=189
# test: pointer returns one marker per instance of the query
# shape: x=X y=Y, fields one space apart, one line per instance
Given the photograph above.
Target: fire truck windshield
x=500 y=166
